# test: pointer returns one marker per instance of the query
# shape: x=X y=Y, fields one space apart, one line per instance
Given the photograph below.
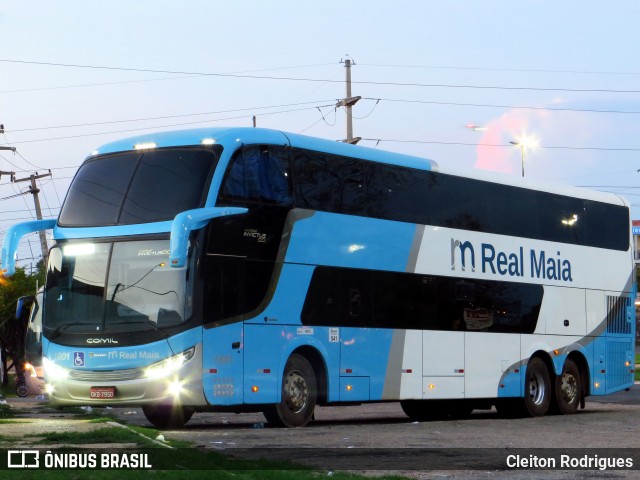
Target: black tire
x=568 y=388
x=22 y=391
x=424 y=410
x=298 y=395
x=167 y=415
x=537 y=388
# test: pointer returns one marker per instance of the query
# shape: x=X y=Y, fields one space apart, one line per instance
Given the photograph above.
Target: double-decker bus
x=256 y=270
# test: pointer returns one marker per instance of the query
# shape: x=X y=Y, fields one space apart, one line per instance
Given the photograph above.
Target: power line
x=608 y=186
x=24 y=210
x=497 y=69
x=100 y=84
x=302 y=79
x=428 y=102
x=144 y=119
x=522 y=107
x=559 y=147
x=165 y=126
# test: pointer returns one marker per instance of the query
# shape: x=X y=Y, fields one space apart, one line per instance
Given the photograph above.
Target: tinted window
x=166 y=183
x=330 y=183
x=259 y=174
x=350 y=186
x=353 y=297
x=138 y=187
x=396 y=192
x=233 y=288
x=96 y=194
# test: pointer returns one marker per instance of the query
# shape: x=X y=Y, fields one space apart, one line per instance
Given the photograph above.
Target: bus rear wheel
x=298 y=395
x=568 y=388
x=166 y=415
x=537 y=388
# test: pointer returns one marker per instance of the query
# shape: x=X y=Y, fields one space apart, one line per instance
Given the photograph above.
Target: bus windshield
x=119 y=286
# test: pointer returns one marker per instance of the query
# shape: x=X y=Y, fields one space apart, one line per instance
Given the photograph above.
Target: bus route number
x=334 y=335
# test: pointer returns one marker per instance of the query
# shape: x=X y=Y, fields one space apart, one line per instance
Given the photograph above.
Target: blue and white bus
x=256 y=270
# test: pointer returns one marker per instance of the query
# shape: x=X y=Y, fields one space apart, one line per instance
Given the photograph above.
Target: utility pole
x=36 y=200
x=13 y=149
x=348 y=102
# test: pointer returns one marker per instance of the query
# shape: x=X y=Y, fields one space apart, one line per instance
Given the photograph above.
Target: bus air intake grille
x=106 y=375
x=618 y=314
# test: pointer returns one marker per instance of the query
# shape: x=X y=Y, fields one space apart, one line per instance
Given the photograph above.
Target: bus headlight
x=170 y=365
x=52 y=371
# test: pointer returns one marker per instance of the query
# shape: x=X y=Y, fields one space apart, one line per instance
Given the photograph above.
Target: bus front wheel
x=167 y=415
x=298 y=395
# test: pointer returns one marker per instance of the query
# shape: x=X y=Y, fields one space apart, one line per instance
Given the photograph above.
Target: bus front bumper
x=134 y=387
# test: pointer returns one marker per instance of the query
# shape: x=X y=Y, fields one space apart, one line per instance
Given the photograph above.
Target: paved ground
x=607 y=422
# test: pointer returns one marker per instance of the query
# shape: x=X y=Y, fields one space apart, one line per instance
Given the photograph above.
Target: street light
x=525 y=142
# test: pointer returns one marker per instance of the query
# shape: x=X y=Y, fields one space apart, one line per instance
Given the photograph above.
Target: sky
x=75 y=75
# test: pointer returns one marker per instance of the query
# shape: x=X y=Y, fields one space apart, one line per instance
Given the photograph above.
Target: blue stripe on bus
x=352 y=242
x=358 y=353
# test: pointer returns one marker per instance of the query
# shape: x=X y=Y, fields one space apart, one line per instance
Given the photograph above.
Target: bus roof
x=237 y=136
x=248 y=136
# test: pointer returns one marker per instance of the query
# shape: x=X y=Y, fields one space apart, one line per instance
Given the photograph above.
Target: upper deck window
x=138 y=187
x=258 y=174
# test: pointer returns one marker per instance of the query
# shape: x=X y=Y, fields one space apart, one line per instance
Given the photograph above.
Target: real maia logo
x=540 y=264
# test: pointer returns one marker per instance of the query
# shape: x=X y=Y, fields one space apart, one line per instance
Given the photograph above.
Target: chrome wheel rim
x=537 y=388
x=296 y=392
x=568 y=387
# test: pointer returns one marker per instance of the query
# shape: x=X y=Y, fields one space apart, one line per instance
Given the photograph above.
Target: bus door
x=222 y=339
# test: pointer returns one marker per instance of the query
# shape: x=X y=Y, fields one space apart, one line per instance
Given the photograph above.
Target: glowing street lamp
x=525 y=142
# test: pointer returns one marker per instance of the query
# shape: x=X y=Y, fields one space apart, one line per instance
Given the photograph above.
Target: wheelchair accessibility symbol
x=78 y=359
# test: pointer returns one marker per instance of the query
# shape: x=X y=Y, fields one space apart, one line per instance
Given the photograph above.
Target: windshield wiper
x=145 y=321
x=60 y=328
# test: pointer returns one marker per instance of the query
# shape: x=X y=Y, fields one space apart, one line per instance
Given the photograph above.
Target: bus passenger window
x=258 y=174
x=355 y=303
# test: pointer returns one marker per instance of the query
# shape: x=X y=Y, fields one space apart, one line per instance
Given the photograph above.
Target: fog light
x=175 y=388
x=49 y=389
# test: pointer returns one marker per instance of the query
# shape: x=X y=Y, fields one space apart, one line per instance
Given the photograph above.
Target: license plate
x=102 y=392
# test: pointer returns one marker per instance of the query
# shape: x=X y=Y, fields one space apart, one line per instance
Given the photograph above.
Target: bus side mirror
x=12 y=238
x=185 y=222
